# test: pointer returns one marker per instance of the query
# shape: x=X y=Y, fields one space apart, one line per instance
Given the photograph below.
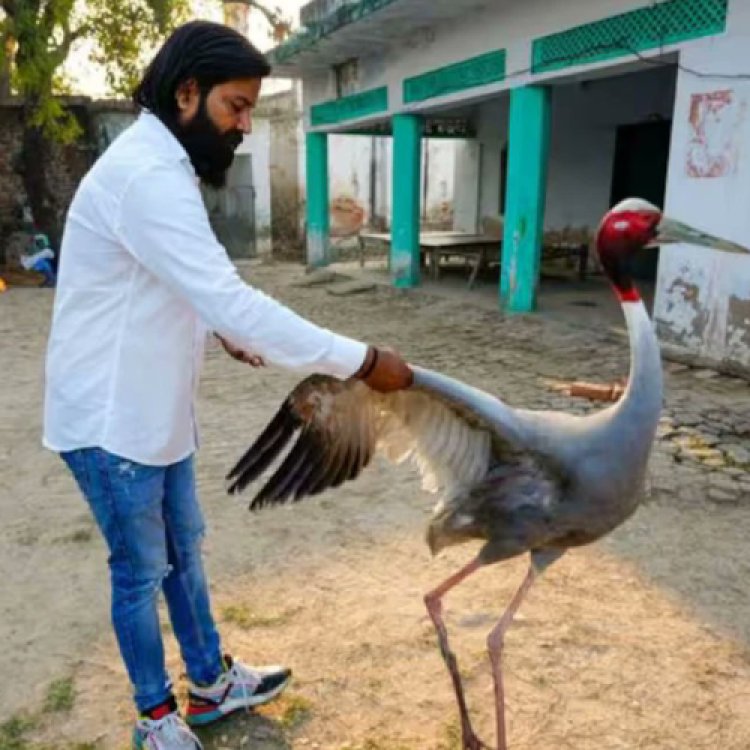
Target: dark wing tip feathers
x=308 y=469
x=313 y=465
x=264 y=450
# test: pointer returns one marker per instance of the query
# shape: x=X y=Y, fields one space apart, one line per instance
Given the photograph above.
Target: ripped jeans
x=153 y=526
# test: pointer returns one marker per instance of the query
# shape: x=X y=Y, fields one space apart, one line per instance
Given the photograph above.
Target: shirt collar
x=166 y=138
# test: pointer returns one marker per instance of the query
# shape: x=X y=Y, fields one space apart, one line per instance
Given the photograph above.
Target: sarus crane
x=519 y=480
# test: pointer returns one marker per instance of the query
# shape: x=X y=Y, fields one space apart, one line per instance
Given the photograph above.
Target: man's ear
x=186 y=94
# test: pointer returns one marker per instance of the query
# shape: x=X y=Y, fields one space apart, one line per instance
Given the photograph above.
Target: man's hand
x=241 y=356
x=384 y=370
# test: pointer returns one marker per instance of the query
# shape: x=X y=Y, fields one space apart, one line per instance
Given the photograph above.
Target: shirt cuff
x=346 y=356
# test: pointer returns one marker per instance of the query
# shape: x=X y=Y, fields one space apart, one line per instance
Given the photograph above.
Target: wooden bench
x=435 y=246
x=483 y=249
x=568 y=244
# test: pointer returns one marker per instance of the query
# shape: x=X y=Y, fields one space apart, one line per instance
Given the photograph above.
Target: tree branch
x=9 y=6
x=47 y=23
x=273 y=18
x=60 y=53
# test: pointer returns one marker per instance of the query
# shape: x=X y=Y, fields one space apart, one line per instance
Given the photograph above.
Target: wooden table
x=436 y=245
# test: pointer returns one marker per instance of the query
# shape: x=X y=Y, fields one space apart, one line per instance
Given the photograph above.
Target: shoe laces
x=169 y=729
x=244 y=677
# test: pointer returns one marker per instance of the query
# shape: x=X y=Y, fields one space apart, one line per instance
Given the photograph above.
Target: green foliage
x=36 y=37
x=122 y=32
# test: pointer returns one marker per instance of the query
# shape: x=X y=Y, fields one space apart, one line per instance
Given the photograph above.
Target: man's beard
x=211 y=152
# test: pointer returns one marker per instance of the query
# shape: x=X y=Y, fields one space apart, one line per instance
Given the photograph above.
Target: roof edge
x=309 y=36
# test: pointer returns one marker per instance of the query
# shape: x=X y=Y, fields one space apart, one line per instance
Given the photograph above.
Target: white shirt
x=142 y=280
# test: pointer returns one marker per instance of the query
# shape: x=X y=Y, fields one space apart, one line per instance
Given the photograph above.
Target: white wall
x=258 y=145
x=349 y=182
x=351 y=159
x=467 y=177
x=703 y=297
x=287 y=141
x=438 y=175
x=492 y=134
x=585 y=117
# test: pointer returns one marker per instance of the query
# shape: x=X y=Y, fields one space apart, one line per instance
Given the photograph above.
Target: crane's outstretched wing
x=447 y=428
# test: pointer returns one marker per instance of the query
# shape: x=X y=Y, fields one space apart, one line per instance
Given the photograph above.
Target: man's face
x=211 y=127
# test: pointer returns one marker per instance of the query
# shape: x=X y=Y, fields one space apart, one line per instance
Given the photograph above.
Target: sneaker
x=169 y=732
x=238 y=687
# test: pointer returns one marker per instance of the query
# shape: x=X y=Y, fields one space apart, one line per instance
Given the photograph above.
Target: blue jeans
x=153 y=526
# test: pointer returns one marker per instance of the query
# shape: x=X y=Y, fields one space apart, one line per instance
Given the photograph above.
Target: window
x=347 y=77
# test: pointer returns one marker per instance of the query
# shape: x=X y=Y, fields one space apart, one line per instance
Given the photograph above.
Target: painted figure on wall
x=716 y=120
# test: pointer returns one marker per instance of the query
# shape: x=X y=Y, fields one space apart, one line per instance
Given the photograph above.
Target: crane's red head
x=634 y=224
x=626 y=229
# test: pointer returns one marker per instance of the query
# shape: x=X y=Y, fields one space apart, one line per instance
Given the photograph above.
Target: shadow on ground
x=245 y=730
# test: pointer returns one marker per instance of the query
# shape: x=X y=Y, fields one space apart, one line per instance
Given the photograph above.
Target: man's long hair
x=207 y=52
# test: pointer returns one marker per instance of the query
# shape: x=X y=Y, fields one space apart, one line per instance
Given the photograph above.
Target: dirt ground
x=640 y=641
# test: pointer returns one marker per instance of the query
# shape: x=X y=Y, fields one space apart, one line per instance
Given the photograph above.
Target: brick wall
x=65 y=168
x=11 y=185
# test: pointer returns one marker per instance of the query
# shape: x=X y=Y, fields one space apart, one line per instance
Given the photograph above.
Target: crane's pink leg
x=435 y=609
x=495 y=643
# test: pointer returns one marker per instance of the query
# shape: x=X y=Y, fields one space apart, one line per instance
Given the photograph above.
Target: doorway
x=640 y=170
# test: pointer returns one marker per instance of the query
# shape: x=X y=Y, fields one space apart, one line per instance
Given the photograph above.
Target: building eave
x=361 y=28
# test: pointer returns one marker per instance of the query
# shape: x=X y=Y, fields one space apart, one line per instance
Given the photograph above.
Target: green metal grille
x=646 y=28
x=477 y=71
x=350 y=107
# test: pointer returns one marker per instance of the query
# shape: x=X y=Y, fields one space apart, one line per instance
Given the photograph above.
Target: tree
x=36 y=38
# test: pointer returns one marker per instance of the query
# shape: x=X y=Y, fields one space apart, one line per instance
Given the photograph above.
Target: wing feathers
x=265 y=449
x=341 y=425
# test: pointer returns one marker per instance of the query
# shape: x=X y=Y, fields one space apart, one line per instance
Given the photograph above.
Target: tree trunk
x=5 y=63
x=4 y=81
x=36 y=155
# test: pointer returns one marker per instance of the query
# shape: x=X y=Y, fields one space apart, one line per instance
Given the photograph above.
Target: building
x=564 y=107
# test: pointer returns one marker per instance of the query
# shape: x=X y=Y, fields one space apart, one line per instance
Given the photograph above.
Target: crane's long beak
x=670 y=230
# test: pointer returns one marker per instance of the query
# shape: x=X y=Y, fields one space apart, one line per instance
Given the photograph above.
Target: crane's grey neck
x=642 y=401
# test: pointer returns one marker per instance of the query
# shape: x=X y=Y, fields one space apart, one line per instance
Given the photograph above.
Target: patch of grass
x=376 y=743
x=79 y=536
x=27 y=539
x=732 y=463
x=60 y=696
x=295 y=711
x=243 y=617
x=290 y=711
x=13 y=733
x=451 y=737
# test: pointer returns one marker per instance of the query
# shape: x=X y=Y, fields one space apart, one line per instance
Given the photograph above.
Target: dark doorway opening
x=640 y=170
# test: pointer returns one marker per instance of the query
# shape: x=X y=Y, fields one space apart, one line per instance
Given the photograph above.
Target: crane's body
x=519 y=480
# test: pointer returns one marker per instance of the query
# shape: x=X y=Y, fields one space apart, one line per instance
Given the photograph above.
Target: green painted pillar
x=526 y=193
x=407 y=162
x=317 y=200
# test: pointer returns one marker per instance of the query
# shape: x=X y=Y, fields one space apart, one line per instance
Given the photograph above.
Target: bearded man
x=142 y=282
